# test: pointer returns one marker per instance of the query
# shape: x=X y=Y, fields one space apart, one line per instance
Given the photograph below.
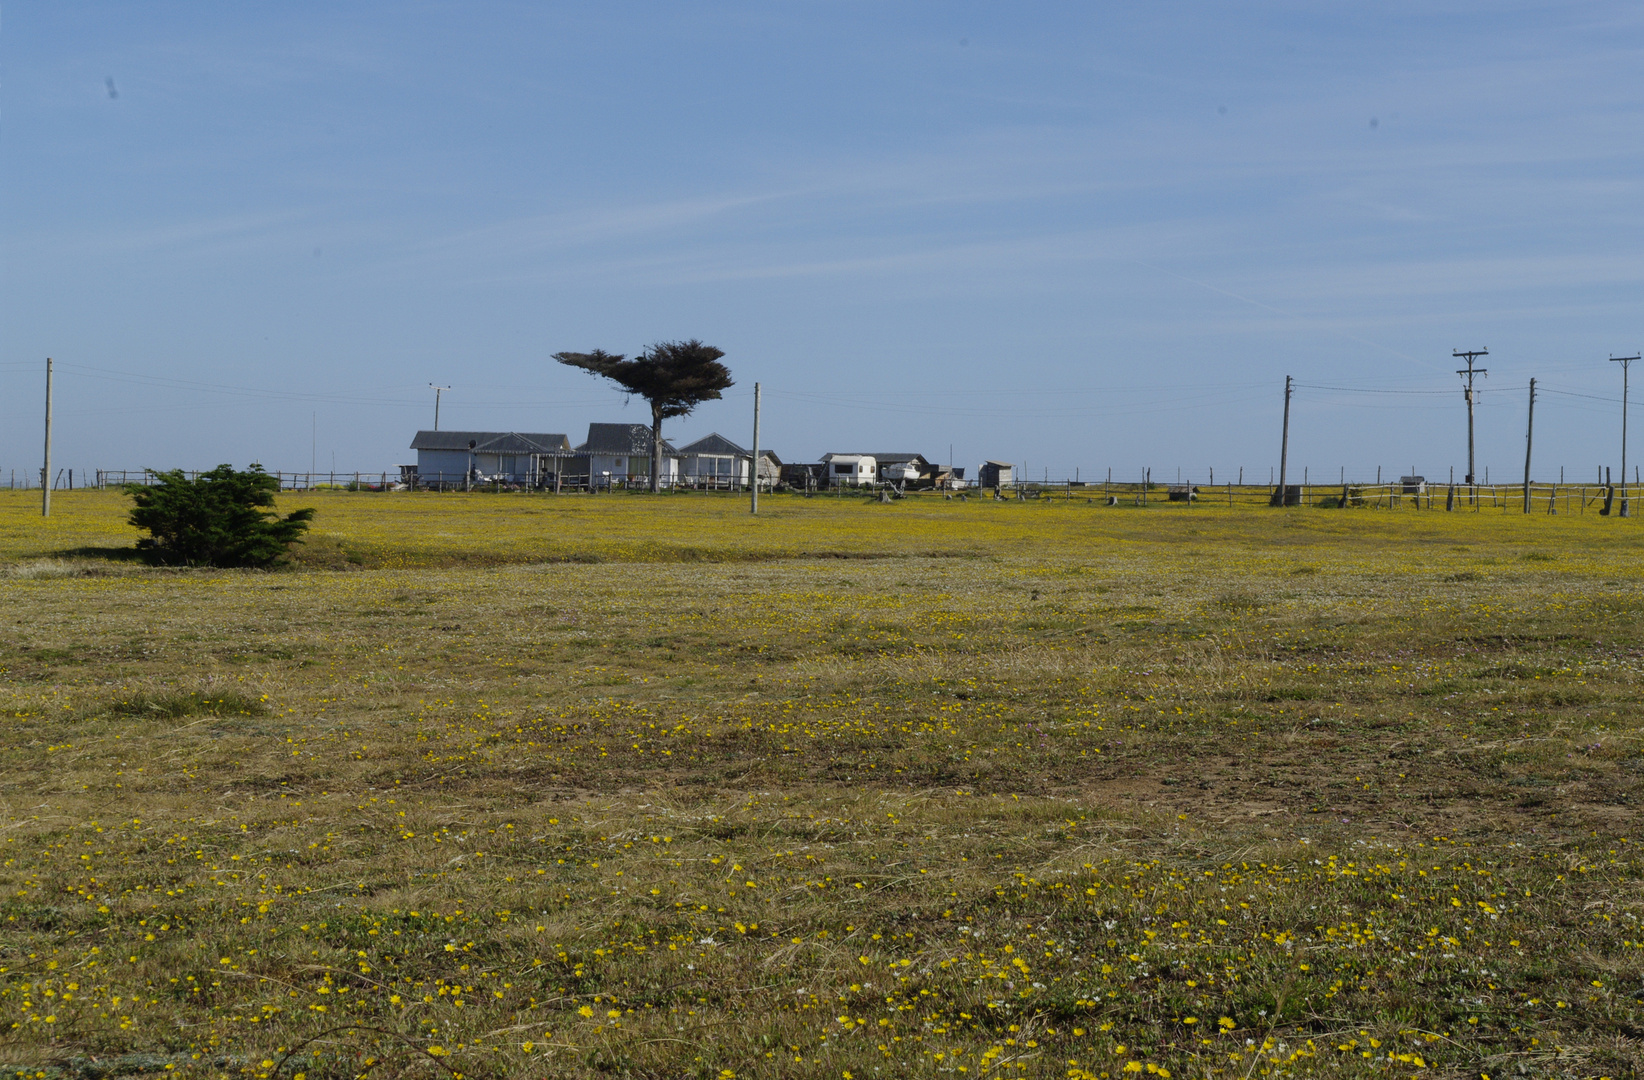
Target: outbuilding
x=803 y=476
x=996 y=474
x=770 y=468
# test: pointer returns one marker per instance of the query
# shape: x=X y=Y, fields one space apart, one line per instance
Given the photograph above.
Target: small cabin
x=770 y=468
x=1413 y=485
x=715 y=459
x=996 y=474
x=621 y=453
x=509 y=457
x=804 y=476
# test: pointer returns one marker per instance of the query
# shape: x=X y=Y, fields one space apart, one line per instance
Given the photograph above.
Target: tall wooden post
x=1469 y=374
x=1625 y=362
x=1529 y=435
x=754 y=465
x=1284 y=442
x=45 y=472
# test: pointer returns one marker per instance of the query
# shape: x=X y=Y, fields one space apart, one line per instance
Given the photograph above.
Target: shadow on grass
x=176 y=706
x=107 y=554
x=332 y=553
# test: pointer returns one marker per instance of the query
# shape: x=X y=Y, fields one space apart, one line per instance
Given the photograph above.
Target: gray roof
x=883 y=459
x=620 y=439
x=714 y=444
x=493 y=442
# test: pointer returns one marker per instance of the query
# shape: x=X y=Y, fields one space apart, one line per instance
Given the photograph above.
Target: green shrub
x=215 y=519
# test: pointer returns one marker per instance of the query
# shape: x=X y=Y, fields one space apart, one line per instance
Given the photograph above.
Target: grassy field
x=529 y=786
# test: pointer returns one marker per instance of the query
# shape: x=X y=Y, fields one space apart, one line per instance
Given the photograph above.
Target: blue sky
x=1075 y=236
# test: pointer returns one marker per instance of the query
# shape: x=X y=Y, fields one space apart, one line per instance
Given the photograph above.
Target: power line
x=1056 y=391
x=1372 y=390
x=1542 y=389
x=1175 y=403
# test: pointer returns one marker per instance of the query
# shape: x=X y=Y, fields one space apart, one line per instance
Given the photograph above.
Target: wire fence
x=1403 y=495
x=1477 y=498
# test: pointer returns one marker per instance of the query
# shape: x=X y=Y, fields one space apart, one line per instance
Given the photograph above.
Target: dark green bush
x=216 y=519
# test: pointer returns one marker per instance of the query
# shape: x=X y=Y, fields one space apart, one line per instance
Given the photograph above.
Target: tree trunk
x=656 y=449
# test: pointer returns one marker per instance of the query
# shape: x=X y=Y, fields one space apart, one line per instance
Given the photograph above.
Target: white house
x=714 y=459
x=448 y=457
x=621 y=452
x=849 y=470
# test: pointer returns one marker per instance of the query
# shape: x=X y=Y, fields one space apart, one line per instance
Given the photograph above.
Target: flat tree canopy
x=673 y=376
x=215 y=519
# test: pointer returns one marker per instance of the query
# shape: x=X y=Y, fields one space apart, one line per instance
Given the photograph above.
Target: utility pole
x=754 y=475
x=1625 y=362
x=1468 y=373
x=45 y=472
x=1529 y=434
x=1284 y=443
x=437 y=391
